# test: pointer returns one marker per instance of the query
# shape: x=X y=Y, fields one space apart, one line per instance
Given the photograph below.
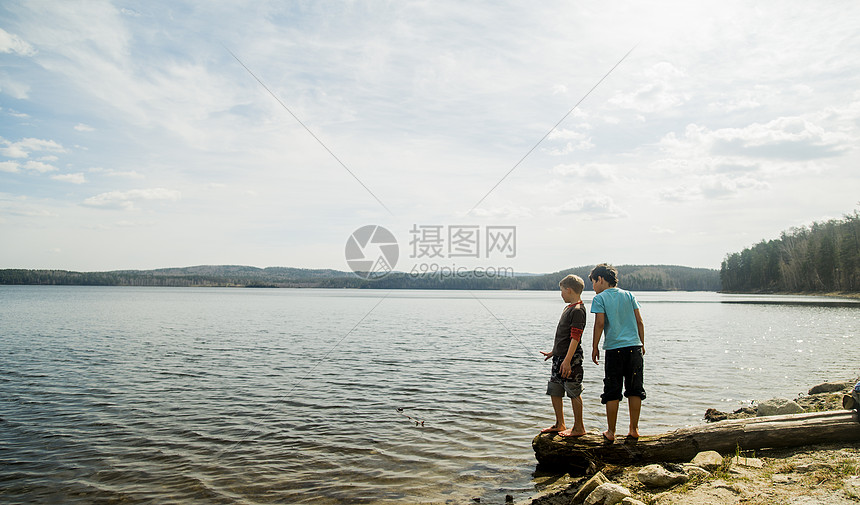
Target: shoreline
x=302 y=286
x=830 y=294
x=823 y=473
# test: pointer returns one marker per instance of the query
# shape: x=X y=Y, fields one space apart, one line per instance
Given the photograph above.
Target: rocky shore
x=799 y=476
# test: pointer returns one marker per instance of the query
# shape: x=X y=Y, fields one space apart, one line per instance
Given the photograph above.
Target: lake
x=247 y=396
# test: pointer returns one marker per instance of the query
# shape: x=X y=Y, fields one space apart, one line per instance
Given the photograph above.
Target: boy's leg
x=578 y=424
x=635 y=404
x=573 y=388
x=634 y=389
x=558 y=408
x=612 y=383
x=555 y=390
x=611 y=418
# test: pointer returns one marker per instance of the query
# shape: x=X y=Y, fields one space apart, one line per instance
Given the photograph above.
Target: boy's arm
x=640 y=326
x=546 y=355
x=598 y=331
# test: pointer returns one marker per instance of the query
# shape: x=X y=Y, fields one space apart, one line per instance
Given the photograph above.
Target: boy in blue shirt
x=616 y=313
x=566 y=354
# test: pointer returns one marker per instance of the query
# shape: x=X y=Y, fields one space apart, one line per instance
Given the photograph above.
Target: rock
x=782 y=479
x=830 y=387
x=820 y=402
x=714 y=415
x=777 y=407
x=657 y=476
x=589 y=486
x=612 y=471
x=709 y=460
x=852 y=486
x=748 y=462
x=812 y=467
x=661 y=498
x=743 y=413
x=631 y=501
x=608 y=494
x=734 y=487
x=696 y=471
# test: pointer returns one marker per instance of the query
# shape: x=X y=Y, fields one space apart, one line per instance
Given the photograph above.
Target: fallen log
x=792 y=430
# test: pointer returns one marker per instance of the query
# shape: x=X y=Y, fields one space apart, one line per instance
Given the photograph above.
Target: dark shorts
x=572 y=385
x=623 y=366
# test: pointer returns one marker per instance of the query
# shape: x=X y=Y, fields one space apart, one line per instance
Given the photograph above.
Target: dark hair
x=607 y=271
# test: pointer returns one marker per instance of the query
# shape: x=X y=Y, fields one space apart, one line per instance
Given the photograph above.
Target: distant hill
x=633 y=277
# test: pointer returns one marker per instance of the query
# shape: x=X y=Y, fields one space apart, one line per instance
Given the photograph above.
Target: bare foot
x=634 y=433
x=552 y=429
x=609 y=435
x=571 y=433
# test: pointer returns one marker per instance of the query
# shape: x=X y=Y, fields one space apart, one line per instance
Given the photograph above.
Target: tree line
x=822 y=257
x=633 y=277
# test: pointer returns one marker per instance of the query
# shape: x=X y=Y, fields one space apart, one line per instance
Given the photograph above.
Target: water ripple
x=125 y=395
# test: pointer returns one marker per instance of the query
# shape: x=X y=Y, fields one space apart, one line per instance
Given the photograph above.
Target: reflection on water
x=278 y=396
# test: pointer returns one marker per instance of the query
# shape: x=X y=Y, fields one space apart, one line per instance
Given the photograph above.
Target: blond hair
x=573 y=282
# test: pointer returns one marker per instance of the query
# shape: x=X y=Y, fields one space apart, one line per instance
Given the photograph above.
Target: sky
x=138 y=135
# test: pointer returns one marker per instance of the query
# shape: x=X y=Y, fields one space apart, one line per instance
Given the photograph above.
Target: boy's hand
x=546 y=355
x=595 y=356
x=565 y=369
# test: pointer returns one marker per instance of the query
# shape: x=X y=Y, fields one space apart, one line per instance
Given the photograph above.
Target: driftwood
x=791 y=430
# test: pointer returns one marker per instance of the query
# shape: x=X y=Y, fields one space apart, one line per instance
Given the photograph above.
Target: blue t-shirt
x=619 y=322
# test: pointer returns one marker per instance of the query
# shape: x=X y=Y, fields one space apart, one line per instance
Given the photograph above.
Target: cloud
x=724 y=187
x=39 y=166
x=77 y=178
x=592 y=208
x=14 y=88
x=131 y=174
x=11 y=43
x=575 y=140
x=504 y=212
x=9 y=167
x=659 y=91
x=740 y=100
x=30 y=212
x=658 y=230
x=785 y=138
x=713 y=187
x=81 y=127
x=593 y=172
x=126 y=199
x=17 y=114
x=24 y=147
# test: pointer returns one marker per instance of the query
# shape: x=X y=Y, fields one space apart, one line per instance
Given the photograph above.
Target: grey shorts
x=572 y=385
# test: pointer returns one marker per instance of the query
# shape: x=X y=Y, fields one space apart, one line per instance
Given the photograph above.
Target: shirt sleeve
x=597 y=305
x=577 y=324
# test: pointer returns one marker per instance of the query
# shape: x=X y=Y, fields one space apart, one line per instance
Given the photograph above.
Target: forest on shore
x=823 y=257
x=819 y=258
x=633 y=277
